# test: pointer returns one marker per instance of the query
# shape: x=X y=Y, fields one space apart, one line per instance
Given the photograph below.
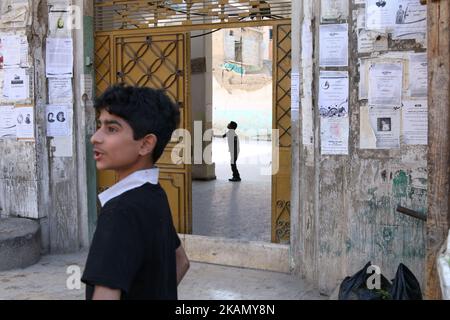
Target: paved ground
x=235 y=210
x=47 y=280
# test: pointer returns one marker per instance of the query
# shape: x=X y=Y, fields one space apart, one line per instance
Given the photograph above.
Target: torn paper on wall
x=59 y=20
x=334 y=134
x=59 y=58
x=410 y=20
x=295 y=91
x=14 y=14
x=11 y=50
x=334 y=9
x=333 y=94
x=385 y=122
x=385 y=84
x=415 y=122
x=363 y=92
x=64 y=145
x=57 y=121
x=361 y=18
x=60 y=90
x=306 y=98
x=370 y=41
x=367 y=138
x=334 y=45
x=7 y=122
x=24 y=122
x=418 y=74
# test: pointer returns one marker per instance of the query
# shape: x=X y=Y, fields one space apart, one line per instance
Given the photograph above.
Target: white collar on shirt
x=134 y=180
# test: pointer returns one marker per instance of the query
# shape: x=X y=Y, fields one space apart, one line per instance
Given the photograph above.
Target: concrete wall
x=346 y=210
x=35 y=182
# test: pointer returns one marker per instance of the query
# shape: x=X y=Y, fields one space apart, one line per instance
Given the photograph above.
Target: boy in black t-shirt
x=135 y=252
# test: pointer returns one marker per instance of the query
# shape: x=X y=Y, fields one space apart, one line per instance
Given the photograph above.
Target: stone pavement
x=47 y=279
x=235 y=210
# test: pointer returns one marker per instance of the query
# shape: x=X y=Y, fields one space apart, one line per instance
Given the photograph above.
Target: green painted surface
x=88 y=33
x=400 y=184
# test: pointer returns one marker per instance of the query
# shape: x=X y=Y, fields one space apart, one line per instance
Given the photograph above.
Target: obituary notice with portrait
x=57 y=121
x=24 y=117
x=385 y=122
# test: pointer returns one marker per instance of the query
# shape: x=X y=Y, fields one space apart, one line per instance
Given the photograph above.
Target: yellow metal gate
x=281 y=175
x=157 y=60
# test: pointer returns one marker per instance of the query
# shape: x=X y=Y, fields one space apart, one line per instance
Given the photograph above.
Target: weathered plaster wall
x=34 y=183
x=347 y=210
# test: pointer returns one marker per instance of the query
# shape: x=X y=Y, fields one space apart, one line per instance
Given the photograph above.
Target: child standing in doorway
x=233 y=148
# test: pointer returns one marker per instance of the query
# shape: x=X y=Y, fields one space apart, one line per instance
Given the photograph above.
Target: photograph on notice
x=384 y=124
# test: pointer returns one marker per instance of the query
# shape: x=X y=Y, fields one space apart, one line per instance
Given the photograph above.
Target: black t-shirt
x=134 y=245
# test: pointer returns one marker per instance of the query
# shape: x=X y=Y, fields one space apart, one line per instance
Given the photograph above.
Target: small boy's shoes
x=234 y=179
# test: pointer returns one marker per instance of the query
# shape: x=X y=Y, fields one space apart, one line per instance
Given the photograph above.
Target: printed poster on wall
x=7 y=122
x=385 y=84
x=334 y=134
x=385 y=122
x=24 y=117
x=334 y=45
x=333 y=94
x=16 y=85
x=410 y=19
x=415 y=122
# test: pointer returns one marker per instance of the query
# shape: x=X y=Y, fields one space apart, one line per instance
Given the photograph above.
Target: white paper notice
x=58 y=20
x=415 y=122
x=418 y=74
x=410 y=19
x=385 y=84
x=16 y=85
x=334 y=9
x=59 y=58
x=333 y=94
x=11 y=50
x=385 y=123
x=369 y=41
x=60 y=90
x=334 y=45
x=7 y=122
x=295 y=91
x=334 y=135
x=24 y=63
x=363 y=79
x=57 y=121
x=24 y=122
x=380 y=14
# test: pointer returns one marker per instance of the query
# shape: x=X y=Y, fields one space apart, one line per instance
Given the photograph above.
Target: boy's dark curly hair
x=146 y=110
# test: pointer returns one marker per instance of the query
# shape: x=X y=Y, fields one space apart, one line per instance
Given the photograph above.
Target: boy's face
x=114 y=145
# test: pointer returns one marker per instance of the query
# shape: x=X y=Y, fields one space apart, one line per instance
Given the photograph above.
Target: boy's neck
x=122 y=174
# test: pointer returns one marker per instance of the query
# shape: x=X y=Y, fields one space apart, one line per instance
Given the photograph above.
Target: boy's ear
x=148 y=144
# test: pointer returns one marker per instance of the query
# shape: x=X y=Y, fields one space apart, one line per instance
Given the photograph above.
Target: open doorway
x=235 y=84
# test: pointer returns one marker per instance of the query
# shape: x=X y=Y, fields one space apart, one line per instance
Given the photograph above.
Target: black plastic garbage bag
x=355 y=287
x=405 y=285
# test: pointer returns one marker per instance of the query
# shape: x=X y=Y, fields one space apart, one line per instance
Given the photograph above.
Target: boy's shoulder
x=135 y=199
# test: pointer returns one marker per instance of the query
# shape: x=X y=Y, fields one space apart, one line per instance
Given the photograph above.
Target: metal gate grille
x=138 y=14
